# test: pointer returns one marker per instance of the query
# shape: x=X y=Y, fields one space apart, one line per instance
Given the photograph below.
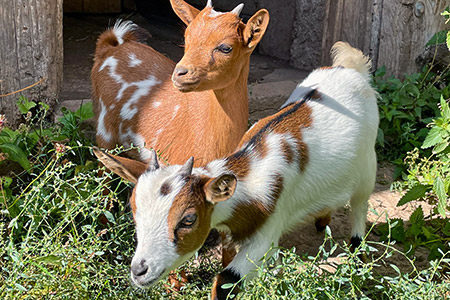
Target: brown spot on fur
x=248 y=217
x=190 y=200
x=326 y=68
x=287 y=151
x=261 y=148
x=302 y=149
x=165 y=189
x=293 y=124
x=239 y=164
x=288 y=120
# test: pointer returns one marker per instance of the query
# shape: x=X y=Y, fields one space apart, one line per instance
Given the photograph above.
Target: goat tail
x=348 y=57
x=122 y=32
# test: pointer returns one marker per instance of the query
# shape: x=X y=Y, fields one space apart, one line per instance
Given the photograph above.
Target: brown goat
x=201 y=109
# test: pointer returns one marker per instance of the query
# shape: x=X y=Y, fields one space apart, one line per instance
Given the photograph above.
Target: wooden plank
x=31 y=43
x=375 y=32
x=403 y=34
x=347 y=20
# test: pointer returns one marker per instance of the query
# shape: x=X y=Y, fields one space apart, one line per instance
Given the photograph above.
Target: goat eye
x=188 y=220
x=224 y=48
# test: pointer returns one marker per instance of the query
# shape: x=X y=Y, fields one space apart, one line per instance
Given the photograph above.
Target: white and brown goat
x=311 y=157
x=200 y=109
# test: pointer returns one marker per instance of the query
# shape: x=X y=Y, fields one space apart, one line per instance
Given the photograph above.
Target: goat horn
x=237 y=10
x=186 y=169
x=153 y=164
x=209 y=3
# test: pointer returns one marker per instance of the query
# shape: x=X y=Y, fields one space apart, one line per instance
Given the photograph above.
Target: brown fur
x=301 y=118
x=287 y=152
x=214 y=117
x=247 y=217
x=133 y=202
x=239 y=165
x=190 y=200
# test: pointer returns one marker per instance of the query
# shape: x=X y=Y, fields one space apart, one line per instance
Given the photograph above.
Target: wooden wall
x=392 y=32
x=31 y=49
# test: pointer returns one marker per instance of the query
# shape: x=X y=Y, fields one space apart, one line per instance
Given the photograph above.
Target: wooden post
x=31 y=49
x=392 y=32
x=406 y=27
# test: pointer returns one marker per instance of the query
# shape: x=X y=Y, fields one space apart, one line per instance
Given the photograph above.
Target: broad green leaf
x=413 y=90
x=416 y=192
x=109 y=216
x=437 y=38
x=433 y=137
x=446 y=229
x=16 y=154
x=445 y=109
x=439 y=190
x=417 y=216
x=416 y=220
x=429 y=234
x=85 y=111
x=440 y=147
x=24 y=105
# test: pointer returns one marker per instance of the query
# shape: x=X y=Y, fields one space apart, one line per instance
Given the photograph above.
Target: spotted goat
x=313 y=156
x=139 y=101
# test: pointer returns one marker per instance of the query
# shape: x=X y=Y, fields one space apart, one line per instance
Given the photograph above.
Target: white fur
x=341 y=167
x=134 y=61
x=175 y=111
x=129 y=109
x=154 y=245
x=121 y=28
x=101 y=129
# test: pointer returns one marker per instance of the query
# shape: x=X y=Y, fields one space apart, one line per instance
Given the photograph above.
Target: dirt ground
x=80 y=34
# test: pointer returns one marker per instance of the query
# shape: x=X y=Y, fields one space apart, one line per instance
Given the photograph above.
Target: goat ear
x=220 y=188
x=184 y=11
x=255 y=28
x=126 y=168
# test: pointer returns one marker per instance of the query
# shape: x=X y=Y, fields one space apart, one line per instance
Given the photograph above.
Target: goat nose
x=139 y=269
x=180 y=71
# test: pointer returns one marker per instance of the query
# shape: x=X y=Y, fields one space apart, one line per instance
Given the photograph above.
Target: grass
x=58 y=246
x=63 y=237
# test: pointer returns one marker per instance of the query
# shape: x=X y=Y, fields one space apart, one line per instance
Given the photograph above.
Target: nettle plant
x=406 y=108
x=428 y=179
